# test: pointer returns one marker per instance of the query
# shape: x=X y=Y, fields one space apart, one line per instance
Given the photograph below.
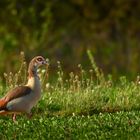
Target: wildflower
x=73 y=114
x=5 y=74
x=59 y=79
x=47 y=59
x=11 y=73
x=47 y=85
x=58 y=62
x=76 y=77
x=22 y=53
x=38 y=70
x=79 y=65
x=43 y=71
x=91 y=71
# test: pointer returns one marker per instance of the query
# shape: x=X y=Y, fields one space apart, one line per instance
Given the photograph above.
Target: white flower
x=43 y=71
x=38 y=70
x=47 y=85
x=73 y=114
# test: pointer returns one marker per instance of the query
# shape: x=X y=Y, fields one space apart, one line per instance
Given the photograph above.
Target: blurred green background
x=64 y=29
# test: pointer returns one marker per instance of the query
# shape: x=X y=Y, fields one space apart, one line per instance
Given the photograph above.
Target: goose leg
x=14 y=117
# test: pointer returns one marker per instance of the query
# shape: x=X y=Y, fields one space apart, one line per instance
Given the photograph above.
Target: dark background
x=64 y=29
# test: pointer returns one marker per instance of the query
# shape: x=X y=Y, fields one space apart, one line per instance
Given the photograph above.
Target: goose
x=23 y=98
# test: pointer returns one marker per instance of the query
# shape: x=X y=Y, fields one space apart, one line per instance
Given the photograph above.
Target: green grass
x=121 y=125
x=79 y=107
x=92 y=99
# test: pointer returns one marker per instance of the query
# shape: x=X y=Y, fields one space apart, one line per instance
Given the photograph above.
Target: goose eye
x=39 y=59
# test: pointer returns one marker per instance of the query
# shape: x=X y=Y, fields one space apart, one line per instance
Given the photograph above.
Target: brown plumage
x=13 y=94
x=21 y=99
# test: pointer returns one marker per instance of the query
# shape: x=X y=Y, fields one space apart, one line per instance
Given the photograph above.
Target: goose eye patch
x=39 y=59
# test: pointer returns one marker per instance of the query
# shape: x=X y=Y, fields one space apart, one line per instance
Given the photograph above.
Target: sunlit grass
x=121 y=125
x=81 y=106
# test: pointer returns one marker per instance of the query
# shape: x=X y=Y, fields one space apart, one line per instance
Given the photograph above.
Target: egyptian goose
x=23 y=98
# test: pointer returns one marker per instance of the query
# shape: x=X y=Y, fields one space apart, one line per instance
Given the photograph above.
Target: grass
x=91 y=99
x=78 y=107
x=121 y=125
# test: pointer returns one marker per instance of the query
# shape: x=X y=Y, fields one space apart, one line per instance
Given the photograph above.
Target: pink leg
x=14 y=117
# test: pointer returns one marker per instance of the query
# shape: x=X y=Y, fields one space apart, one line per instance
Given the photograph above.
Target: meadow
x=77 y=106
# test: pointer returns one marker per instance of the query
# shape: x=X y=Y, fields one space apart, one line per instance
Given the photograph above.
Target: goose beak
x=45 y=62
